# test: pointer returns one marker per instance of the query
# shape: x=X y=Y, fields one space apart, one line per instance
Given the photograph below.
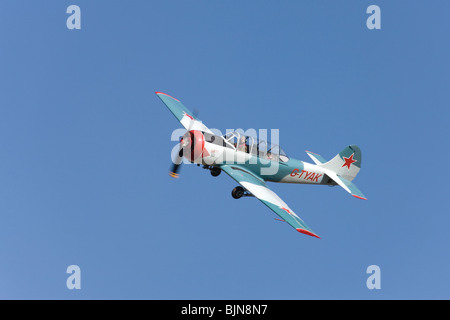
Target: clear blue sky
x=85 y=148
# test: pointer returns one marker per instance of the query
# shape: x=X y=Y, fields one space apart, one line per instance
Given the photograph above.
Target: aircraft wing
x=256 y=186
x=183 y=114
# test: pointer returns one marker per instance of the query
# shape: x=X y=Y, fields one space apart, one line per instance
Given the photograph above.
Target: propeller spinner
x=191 y=147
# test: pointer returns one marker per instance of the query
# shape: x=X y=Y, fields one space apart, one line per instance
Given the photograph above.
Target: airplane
x=244 y=158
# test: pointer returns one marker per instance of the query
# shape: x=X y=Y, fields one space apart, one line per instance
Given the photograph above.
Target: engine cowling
x=193 y=144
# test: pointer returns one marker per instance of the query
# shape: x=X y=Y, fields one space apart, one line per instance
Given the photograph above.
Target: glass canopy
x=261 y=148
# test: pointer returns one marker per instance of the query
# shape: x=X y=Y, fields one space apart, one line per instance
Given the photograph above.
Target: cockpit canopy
x=261 y=148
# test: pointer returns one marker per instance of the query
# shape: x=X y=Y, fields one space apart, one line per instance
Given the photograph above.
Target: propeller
x=176 y=164
x=184 y=142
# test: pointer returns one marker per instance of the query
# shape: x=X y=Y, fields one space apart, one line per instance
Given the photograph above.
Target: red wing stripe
x=167 y=95
x=309 y=233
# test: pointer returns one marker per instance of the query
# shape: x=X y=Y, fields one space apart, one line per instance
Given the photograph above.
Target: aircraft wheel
x=237 y=192
x=215 y=171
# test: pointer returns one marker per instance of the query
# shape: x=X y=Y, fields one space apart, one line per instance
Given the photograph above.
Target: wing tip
x=362 y=198
x=158 y=92
x=309 y=233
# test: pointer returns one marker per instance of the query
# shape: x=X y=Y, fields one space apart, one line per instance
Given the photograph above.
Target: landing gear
x=240 y=192
x=237 y=192
x=214 y=170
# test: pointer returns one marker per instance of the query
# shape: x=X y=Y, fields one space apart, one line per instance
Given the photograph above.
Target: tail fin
x=346 y=164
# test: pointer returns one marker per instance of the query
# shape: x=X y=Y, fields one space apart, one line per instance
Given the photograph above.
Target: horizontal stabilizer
x=347 y=185
x=317 y=158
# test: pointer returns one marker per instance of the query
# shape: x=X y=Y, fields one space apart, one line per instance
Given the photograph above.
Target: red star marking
x=348 y=161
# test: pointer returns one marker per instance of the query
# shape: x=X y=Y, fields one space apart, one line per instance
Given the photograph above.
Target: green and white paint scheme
x=252 y=163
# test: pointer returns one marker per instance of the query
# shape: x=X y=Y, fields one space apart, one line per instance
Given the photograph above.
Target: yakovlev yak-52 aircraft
x=201 y=146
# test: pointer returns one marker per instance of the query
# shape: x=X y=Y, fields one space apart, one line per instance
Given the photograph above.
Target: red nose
x=193 y=144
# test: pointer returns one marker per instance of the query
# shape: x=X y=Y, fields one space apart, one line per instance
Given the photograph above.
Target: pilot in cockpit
x=242 y=146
